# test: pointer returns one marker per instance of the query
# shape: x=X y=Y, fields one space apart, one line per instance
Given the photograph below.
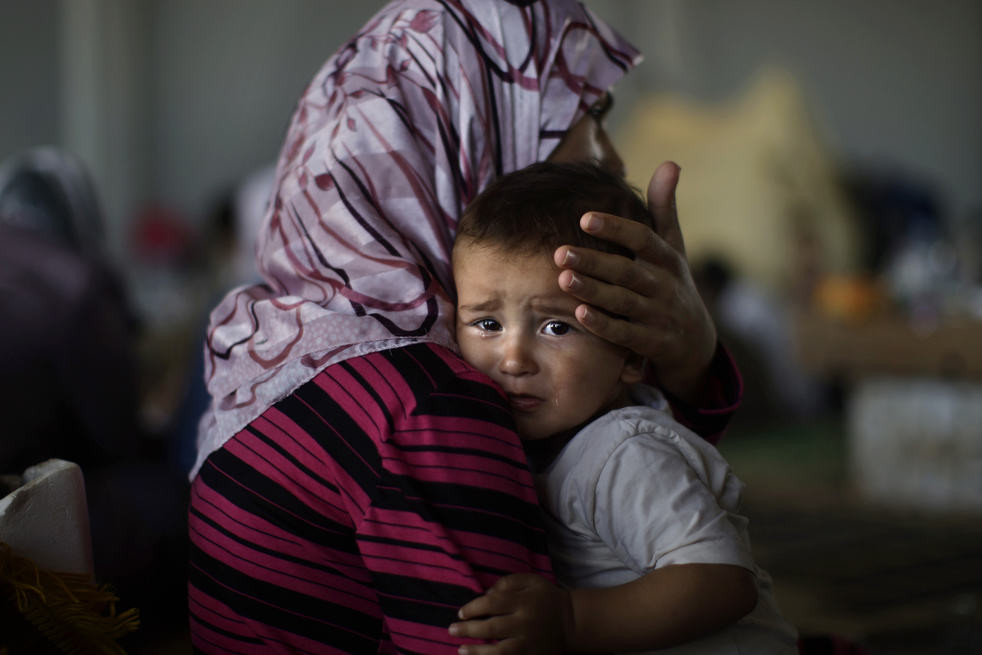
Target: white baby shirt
x=633 y=491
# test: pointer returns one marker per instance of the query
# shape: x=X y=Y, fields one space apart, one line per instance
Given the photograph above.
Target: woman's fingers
x=662 y=248
x=635 y=290
x=651 y=253
x=636 y=237
x=614 y=297
x=608 y=267
x=633 y=336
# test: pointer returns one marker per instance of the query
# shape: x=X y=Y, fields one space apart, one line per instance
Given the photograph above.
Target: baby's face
x=515 y=325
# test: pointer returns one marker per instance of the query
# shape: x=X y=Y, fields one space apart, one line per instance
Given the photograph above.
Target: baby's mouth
x=521 y=402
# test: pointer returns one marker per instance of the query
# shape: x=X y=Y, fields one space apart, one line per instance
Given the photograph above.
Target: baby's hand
x=525 y=614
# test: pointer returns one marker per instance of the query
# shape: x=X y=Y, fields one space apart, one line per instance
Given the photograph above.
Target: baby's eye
x=487 y=325
x=556 y=328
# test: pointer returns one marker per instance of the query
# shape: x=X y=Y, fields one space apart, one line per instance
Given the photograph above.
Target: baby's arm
x=665 y=607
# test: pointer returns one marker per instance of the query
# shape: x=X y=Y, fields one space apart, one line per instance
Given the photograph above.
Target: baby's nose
x=518 y=358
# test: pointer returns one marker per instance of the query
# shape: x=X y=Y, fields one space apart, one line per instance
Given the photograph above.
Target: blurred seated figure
x=67 y=339
x=71 y=377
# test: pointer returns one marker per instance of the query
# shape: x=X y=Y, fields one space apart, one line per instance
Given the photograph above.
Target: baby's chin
x=530 y=433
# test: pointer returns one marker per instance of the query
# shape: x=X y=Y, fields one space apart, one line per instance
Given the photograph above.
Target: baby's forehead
x=466 y=245
x=482 y=268
x=485 y=258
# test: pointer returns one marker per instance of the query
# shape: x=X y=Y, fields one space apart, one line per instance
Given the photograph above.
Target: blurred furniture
x=913 y=409
x=46 y=518
x=886 y=345
x=49 y=601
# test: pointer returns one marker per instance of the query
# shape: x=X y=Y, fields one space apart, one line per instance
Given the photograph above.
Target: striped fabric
x=358 y=514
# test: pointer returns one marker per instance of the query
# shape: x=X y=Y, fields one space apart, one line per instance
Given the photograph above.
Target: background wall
x=29 y=74
x=224 y=79
x=899 y=81
x=171 y=101
x=168 y=102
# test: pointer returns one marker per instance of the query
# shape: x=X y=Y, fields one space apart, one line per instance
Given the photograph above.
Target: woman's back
x=384 y=487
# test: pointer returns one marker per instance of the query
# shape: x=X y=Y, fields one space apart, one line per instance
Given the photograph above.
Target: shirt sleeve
x=658 y=504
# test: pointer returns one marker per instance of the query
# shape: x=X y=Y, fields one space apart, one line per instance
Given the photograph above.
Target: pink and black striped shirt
x=361 y=512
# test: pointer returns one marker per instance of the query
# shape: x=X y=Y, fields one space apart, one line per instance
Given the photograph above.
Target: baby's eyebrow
x=485 y=306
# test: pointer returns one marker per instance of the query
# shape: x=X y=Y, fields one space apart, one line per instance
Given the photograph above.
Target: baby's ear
x=633 y=371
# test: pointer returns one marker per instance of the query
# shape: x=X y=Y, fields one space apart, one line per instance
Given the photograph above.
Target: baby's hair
x=538 y=208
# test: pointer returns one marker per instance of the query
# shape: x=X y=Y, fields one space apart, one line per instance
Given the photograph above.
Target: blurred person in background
x=67 y=334
x=70 y=377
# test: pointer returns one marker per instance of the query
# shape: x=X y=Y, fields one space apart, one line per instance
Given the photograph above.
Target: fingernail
x=592 y=223
x=573 y=283
x=571 y=258
x=453 y=629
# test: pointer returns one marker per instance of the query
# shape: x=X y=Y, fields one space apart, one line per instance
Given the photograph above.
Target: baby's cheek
x=473 y=352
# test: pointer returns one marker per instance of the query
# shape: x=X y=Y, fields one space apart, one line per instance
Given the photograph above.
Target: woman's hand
x=668 y=323
x=523 y=612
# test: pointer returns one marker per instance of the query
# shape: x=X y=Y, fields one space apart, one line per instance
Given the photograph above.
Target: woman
x=356 y=482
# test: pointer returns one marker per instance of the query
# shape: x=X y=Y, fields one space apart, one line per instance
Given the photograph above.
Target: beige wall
x=173 y=100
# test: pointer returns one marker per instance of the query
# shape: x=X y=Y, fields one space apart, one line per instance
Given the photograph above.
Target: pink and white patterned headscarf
x=399 y=130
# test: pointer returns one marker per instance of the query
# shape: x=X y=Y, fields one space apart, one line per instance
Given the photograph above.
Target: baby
x=642 y=514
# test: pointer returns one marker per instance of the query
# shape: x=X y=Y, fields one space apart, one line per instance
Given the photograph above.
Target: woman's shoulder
x=433 y=364
x=430 y=398
x=437 y=376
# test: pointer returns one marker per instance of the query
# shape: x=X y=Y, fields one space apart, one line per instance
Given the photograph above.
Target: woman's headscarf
x=399 y=130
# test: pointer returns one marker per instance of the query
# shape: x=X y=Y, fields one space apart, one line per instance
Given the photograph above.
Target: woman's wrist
x=720 y=399
x=690 y=379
